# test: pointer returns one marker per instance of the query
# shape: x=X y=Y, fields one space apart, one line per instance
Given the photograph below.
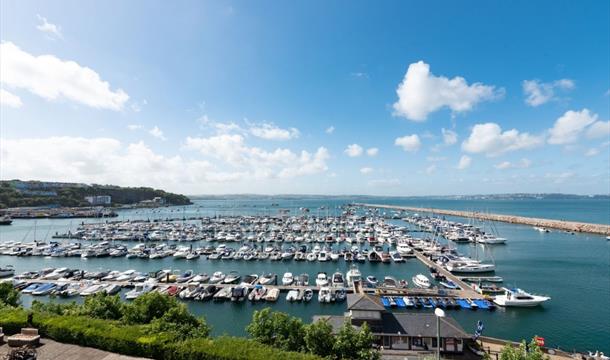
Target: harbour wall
x=574 y=226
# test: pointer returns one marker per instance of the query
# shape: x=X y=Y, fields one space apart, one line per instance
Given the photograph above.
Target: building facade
x=99 y=200
x=400 y=331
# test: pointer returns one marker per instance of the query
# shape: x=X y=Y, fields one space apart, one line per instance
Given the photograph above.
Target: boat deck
x=465 y=289
x=380 y=291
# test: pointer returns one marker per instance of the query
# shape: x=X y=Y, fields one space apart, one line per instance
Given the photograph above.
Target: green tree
x=8 y=295
x=103 y=306
x=52 y=307
x=523 y=352
x=148 y=307
x=277 y=329
x=319 y=338
x=181 y=324
x=352 y=344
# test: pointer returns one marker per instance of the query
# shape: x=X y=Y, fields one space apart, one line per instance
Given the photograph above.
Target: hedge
x=136 y=340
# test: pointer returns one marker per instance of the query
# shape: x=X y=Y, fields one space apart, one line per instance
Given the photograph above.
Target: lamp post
x=439 y=314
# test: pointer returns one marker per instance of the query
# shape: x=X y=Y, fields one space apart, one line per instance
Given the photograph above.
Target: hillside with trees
x=16 y=193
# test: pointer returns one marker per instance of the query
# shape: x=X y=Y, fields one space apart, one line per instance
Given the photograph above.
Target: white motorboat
x=192 y=256
x=138 y=291
x=334 y=256
x=404 y=249
x=353 y=274
x=217 y=277
x=321 y=279
x=490 y=239
x=396 y=257
x=272 y=295
x=267 y=279
x=421 y=281
x=56 y=274
x=337 y=280
x=232 y=278
x=372 y=281
x=93 y=289
x=325 y=295
x=6 y=271
x=517 y=297
x=292 y=295
x=287 y=279
x=126 y=275
x=323 y=256
x=470 y=267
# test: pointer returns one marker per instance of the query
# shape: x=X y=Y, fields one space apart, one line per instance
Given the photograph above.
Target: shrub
x=138 y=340
x=8 y=295
x=148 y=307
x=319 y=338
x=231 y=348
x=181 y=324
x=277 y=329
x=103 y=306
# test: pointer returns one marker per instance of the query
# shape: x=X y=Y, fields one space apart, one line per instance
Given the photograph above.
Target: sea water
x=572 y=269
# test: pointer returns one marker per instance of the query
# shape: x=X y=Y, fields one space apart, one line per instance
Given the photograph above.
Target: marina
x=538 y=223
x=231 y=316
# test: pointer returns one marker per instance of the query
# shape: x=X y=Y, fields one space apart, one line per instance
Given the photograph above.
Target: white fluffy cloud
x=569 y=126
x=372 y=151
x=134 y=127
x=408 y=143
x=51 y=30
x=449 y=136
x=522 y=164
x=98 y=160
x=270 y=131
x=329 y=130
x=54 y=79
x=464 y=163
x=421 y=93
x=157 y=133
x=599 y=129
x=431 y=169
x=232 y=150
x=9 y=99
x=108 y=161
x=592 y=152
x=353 y=150
x=538 y=93
x=489 y=139
x=366 y=170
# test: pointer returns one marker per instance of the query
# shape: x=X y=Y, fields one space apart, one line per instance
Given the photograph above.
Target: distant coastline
x=19 y=193
x=512 y=196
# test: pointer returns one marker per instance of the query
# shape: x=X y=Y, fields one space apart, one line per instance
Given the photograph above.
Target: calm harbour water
x=573 y=269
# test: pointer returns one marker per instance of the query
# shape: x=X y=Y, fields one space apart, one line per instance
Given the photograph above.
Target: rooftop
x=364 y=302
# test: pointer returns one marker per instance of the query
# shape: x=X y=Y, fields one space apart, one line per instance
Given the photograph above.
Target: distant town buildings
x=99 y=200
x=157 y=201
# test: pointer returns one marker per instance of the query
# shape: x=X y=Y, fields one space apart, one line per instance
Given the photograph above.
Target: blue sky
x=241 y=97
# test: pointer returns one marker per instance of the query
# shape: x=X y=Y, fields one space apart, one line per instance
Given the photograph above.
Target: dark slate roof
x=415 y=324
x=408 y=324
x=336 y=321
x=364 y=302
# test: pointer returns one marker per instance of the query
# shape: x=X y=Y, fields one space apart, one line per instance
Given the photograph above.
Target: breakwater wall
x=574 y=226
